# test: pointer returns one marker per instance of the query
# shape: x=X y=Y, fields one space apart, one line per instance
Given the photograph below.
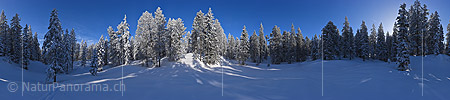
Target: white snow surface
x=190 y=79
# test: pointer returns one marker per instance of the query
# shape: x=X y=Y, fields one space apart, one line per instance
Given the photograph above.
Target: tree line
x=18 y=43
x=415 y=33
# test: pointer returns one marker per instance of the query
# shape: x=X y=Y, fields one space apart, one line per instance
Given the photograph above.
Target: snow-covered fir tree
x=221 y=37
x=285 y=52
x=4 y=27
x=340 y=42
x=243 y=53
x=140 y=38
x=125 y=40
x=176 y=30
x=300 y=48
x=35 y=49
x=402 y=38
x=106 y=56
x=307 y=45
x=53 y=47
x=77 y=51
x=113 y=49
x=275 y=45
x=129 y=51
x=207 y=38
x=90 y=49
x=291 y=56
x=237 y=42
x=198 y=35
x=362 y=41
x=433 y=39
x=373 y=42
x=441 y=39
x=347 y=37
x=255 y=48
x=211 y=39
x=358 y=44
x=292 y=46
x=381 y=50
x=158 y=32
x=72 y=48
x=330 y=35
x=447 y=47
x=15 y=34
x=54 y=29
x=230 y=47
x=143 y=37
x=132 y=49
x=101 y=52
x=393 y=52
x=389 y=44
x=417 y=19
x=94 y=61
x=264 y=49
x=83 y=53
x=136 y=51
x=66 y=46
x=27 y=38
x=185 y=42
x=123 y=45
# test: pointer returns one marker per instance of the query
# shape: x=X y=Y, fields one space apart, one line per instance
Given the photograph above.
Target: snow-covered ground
x=190 y=79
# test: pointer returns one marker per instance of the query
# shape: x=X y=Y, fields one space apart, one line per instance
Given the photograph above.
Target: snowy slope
x=190 y=79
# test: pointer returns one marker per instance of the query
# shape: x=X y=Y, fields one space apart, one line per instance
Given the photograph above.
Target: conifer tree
x=417 y=19
x=402 y=49
x=275 y=45
x=101 y=54
x=330 y=37
x=255 y=48
x=53 y=47
x=83 y=53
x=4 y=28
x=158 y=32
x=243 y=47
x=301 y=46
x=395 y=43
x=94 y=62
x=373 y=42
x=292 y=46
x=433 y=38
x=35 y=49
x=230 y=47
x=447 y=49
x=123 y=44
x=315 y=48
x=15 y=34
x=72 y=48
x=27 y=37
x=176 y=30
x=263 y=43
x=362 y=41
x=381 y=44
x=347 y=36
x=198 y=35
x=211 y=39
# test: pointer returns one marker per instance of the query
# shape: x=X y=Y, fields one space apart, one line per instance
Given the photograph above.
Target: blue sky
x=91 y=18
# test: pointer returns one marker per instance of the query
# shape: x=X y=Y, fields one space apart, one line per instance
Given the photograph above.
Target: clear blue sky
x=90 y=18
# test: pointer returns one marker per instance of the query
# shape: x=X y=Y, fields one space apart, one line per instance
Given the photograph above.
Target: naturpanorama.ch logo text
x=40 y=87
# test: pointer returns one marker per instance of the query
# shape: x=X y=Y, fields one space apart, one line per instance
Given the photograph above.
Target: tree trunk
x=54 y=77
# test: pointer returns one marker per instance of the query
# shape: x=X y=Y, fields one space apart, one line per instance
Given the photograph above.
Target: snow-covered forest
x=159 y=40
